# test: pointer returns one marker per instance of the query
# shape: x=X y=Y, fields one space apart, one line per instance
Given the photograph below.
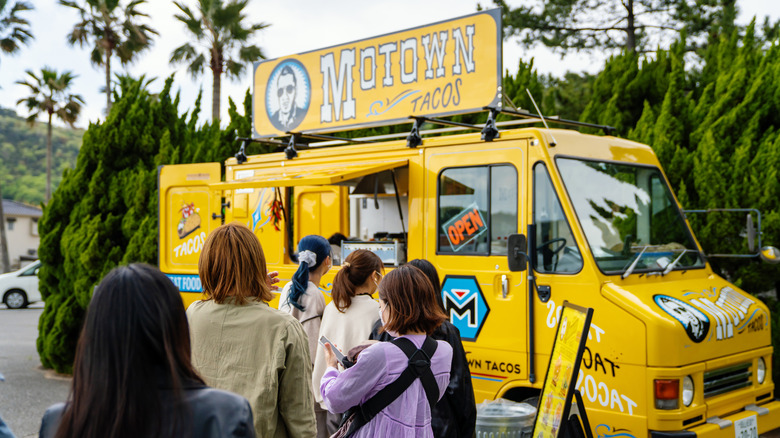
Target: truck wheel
x=15 y=299
x=522 y=395
x=533 y=401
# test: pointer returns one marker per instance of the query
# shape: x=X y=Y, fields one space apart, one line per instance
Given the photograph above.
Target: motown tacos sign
x=446 y=68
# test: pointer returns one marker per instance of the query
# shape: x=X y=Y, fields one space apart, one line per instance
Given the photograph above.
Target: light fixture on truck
x=667 y=393
x=761 y=370
x=687 y=391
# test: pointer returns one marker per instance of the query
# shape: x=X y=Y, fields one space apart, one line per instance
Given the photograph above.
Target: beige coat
x=261 y=354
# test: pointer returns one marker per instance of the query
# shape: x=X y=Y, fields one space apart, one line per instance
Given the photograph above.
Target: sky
x=295 y=26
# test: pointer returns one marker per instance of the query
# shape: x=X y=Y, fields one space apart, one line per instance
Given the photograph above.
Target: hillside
x=23 y=156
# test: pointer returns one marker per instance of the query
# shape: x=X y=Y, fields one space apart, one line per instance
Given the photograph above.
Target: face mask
x=382 y=320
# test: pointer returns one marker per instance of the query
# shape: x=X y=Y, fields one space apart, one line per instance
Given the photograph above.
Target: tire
x=15 y=299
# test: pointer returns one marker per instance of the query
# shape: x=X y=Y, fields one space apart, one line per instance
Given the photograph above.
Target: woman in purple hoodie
x=408 y=310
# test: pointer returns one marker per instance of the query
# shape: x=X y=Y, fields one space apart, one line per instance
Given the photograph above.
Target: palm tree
x=49 y=95
x=14 y=30
x=113 y=30
x=223 y=37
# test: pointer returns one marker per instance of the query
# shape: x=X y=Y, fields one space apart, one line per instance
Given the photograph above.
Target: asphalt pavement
x=28 y=390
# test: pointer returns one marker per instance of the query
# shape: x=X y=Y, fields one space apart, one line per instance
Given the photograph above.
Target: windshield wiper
x=634 y=263
x=670 y=267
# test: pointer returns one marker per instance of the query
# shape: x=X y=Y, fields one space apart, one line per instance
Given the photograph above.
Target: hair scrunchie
x=307 y=257
x=312 y=252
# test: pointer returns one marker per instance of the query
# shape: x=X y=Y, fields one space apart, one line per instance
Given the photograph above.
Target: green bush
x=104 y=213
x=715 y=130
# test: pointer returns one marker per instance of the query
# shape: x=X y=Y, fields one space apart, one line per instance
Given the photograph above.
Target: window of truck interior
x=477 y=209
x=556 y=249
x=629 y=216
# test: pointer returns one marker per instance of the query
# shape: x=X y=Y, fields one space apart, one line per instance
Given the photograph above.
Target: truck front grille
x=727 y=379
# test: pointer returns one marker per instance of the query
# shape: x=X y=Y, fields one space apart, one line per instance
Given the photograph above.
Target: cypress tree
x=104 y=213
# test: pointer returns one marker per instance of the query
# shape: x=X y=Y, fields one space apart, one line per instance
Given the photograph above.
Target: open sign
x=464 y=227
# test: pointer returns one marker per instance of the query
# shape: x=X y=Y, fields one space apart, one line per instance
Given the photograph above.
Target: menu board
x=569 y=344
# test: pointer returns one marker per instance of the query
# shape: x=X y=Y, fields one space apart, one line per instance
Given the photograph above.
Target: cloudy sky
x=296 y=26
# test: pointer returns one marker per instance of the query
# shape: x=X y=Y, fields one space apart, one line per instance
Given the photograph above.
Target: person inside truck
x=240 y=344
x=409 y=311
x=348 y=319
x=133 y=377
x=335 y=247
x=455 y=415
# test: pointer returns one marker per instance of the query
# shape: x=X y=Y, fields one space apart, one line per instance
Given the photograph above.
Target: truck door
x=321 y=210
x=474 y=201
x=188 y=210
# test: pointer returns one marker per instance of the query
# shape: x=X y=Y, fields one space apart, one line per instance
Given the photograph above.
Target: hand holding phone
x=336 y=352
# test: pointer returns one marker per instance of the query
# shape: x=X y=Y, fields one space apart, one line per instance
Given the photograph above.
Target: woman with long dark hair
x=455 y=415
x=302 y=297
x=348 y=319
x=132 y=376
x=409 y=311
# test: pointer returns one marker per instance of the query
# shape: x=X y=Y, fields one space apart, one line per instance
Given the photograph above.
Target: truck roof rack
x=608 y=130
x=414 y=137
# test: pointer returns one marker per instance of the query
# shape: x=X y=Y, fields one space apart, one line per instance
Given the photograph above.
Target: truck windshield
x=627 y=213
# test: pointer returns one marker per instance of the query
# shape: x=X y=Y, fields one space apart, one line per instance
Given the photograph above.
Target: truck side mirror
x=516 y=256
x=751 y=233
x=769 y=254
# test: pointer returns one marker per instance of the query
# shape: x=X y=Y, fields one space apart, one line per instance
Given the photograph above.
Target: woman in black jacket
x=132 y=376
x=455 y=415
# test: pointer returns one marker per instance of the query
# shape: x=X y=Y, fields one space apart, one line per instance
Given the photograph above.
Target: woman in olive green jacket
x=240 y=344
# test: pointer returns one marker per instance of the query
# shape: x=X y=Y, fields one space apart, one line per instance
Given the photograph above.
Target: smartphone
x=339 y=357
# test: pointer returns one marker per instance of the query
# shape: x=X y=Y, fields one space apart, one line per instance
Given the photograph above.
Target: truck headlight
x=687 y=391
x=761 y=370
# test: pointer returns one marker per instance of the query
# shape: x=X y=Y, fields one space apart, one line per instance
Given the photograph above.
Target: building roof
x=13 y=208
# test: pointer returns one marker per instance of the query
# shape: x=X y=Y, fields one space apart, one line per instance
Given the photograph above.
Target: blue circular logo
x=287 y=95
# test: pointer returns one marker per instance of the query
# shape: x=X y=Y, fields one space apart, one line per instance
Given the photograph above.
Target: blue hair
x=300 y=281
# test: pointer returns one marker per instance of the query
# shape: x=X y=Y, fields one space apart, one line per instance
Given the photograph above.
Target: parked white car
x=20 y=288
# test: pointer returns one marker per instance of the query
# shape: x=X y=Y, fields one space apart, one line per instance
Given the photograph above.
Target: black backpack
x=419 y=367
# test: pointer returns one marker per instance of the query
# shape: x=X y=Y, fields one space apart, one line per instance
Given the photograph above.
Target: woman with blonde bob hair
x=240 y=344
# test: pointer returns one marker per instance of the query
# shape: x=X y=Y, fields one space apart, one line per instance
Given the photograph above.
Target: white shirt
x=346 y=330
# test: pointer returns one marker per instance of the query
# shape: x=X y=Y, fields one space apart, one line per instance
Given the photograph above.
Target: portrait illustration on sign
x=288 y=94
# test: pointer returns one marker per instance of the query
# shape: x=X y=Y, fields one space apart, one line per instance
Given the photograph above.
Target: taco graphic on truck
x=190 y=220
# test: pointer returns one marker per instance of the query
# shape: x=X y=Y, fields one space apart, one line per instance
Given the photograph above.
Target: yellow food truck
x=516 y=220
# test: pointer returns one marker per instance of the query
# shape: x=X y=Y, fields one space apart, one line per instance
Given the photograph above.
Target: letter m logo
x=465 y=305
x=469 y=308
